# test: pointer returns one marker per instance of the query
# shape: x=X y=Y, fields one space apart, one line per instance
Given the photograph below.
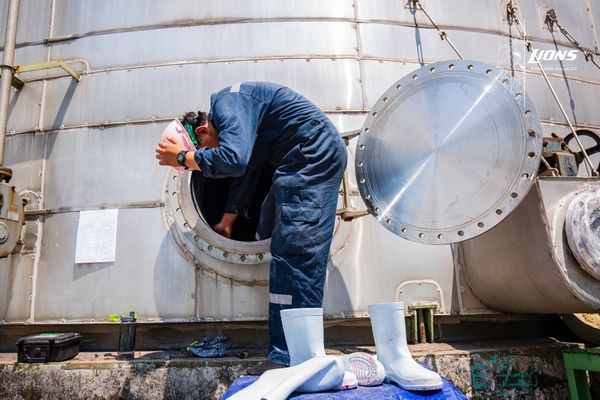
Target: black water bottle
x=127 y=337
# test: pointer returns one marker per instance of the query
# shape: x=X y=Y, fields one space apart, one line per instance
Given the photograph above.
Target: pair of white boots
x=312 y=371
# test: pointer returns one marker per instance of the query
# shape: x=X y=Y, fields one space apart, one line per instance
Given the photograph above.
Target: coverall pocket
x=300 y=232
x=300 y=213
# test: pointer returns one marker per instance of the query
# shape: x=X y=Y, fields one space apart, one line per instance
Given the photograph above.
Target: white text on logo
x=552 y=55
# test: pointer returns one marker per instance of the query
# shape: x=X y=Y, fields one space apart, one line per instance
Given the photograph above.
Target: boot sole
x=364 y=366
x=416 y=388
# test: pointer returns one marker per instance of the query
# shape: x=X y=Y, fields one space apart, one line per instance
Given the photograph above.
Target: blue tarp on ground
x=383 y=392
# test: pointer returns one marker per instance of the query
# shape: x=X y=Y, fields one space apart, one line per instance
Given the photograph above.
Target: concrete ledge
x=531 y=369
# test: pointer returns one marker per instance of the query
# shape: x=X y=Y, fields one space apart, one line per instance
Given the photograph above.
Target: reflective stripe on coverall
x=259 y=123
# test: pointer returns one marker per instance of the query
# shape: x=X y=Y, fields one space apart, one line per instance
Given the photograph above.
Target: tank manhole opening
x=210 y=195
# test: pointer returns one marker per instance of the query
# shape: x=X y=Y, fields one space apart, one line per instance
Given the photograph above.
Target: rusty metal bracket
x=420 y=323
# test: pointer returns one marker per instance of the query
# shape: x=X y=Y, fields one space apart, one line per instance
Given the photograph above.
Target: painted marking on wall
x=502 y=376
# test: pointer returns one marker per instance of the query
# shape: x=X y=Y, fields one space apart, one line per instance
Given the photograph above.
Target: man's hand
x=167 y=150
x=225 y=227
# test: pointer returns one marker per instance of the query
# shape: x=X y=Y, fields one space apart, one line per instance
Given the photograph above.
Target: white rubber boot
x=350 y=380
x=389 y=331
x=278 y=384
x=303 y=329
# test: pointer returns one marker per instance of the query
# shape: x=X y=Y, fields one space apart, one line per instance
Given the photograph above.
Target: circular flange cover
x=583 y=230
x=448 y=152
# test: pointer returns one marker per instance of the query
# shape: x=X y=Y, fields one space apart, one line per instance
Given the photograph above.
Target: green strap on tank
x=190 y=130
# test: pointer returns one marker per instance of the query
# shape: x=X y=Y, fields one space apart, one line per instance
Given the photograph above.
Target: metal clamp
x=12 y=68
x=15 y=82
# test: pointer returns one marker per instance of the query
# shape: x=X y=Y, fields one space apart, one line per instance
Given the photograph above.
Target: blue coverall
x=259 y=123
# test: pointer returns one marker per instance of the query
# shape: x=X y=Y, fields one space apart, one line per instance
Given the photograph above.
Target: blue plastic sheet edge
x=386 y=391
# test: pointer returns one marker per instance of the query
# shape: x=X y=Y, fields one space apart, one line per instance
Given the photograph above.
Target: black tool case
x=48 y=347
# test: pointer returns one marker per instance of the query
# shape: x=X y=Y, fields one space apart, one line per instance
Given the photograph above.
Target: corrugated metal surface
x=81 y=16
x=140 y=93
x=29 y=32
x=149 y=276
x=25 y=159
x=90 y=145
x=252 y=41
x=114 y=166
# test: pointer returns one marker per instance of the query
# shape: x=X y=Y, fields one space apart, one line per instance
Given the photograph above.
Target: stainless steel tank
x=89 y=145
x=528 y=256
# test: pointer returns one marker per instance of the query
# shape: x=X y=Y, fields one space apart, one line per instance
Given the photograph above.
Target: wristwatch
x=181 y=158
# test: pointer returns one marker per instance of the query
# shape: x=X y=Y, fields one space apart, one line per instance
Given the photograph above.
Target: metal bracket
x=350 y=134
x=49 y=65
x=348 y=214
x=18 y=83
x=420 y=323
x=550 y=17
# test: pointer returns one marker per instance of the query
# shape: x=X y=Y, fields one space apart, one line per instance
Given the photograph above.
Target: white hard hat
x=176 y=130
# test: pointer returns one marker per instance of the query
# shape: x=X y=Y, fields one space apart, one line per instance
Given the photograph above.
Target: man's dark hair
x=195 y=119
